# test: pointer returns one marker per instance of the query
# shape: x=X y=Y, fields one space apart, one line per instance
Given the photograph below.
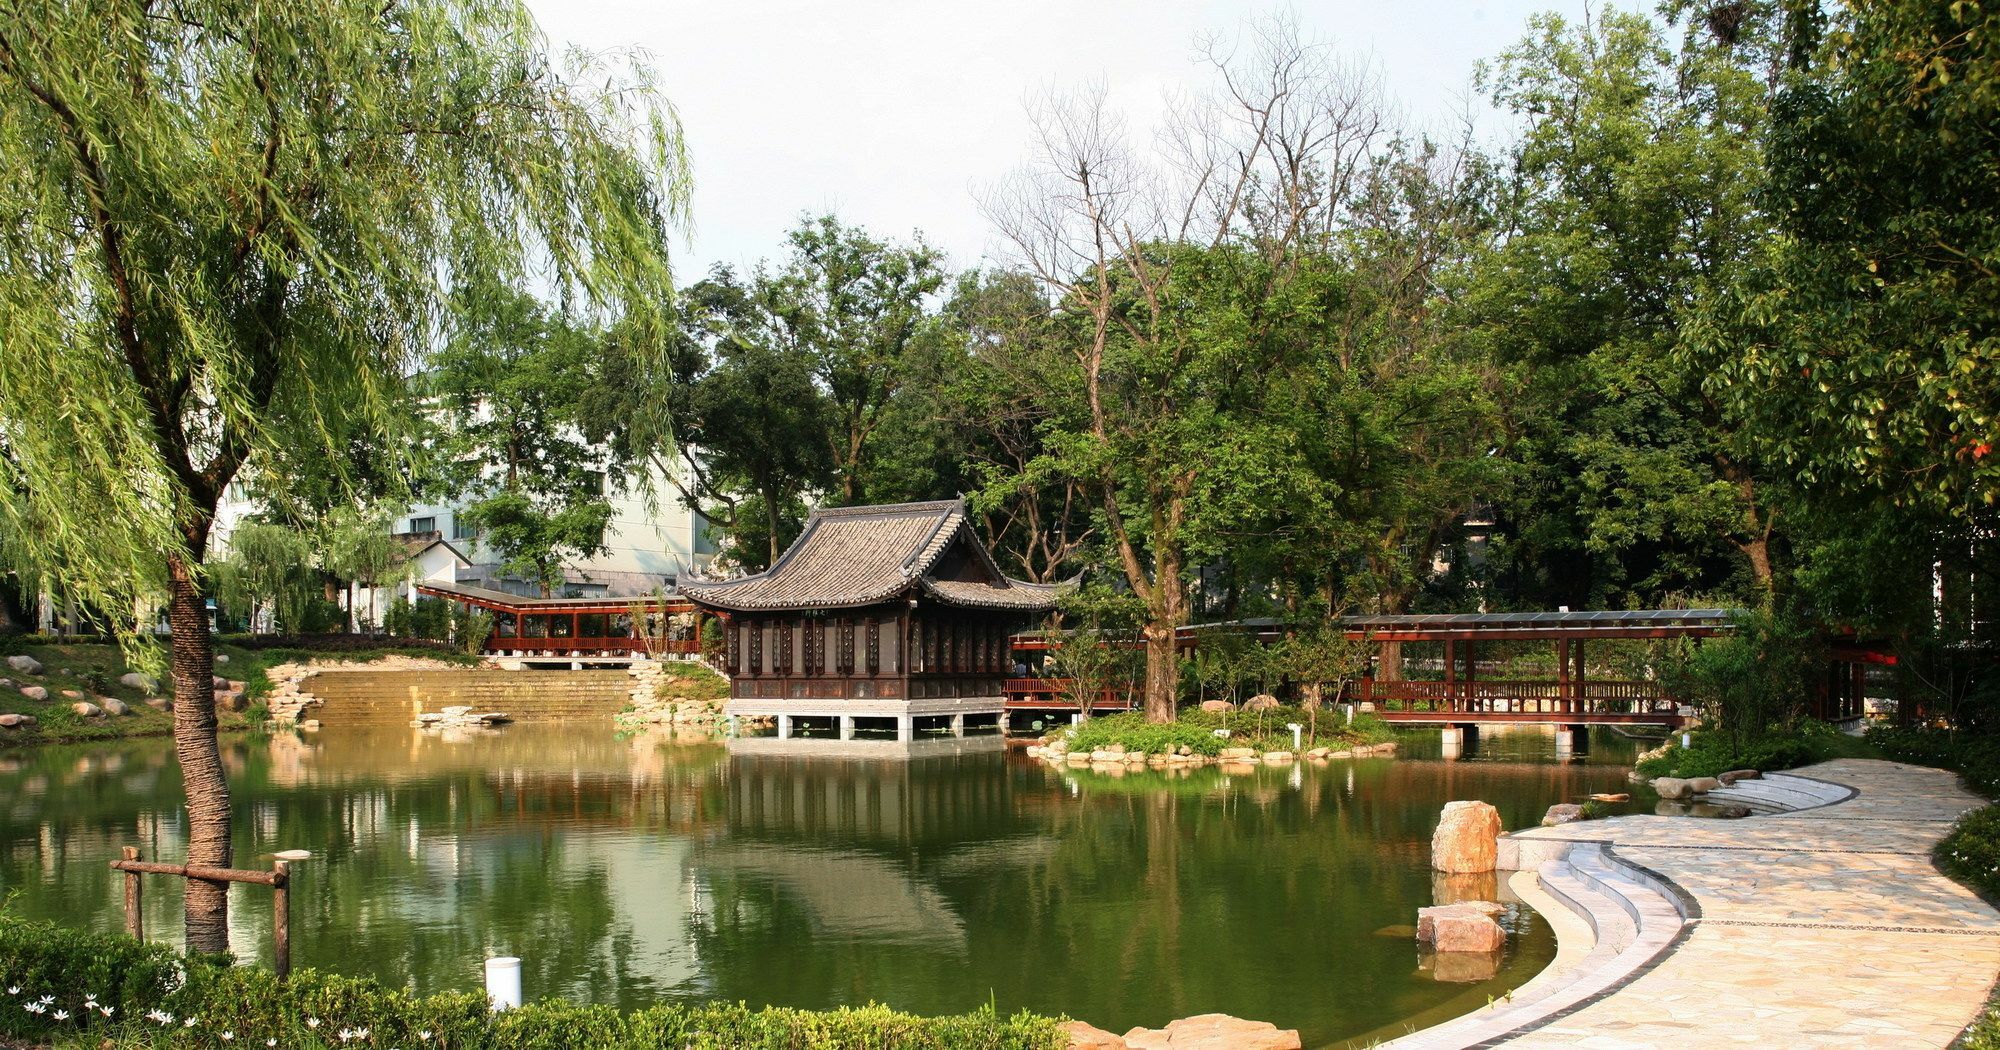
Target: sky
x=894 y=114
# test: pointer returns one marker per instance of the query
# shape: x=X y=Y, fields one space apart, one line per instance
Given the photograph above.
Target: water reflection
x=628 y=870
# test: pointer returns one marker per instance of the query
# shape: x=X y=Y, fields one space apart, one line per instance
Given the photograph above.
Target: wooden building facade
x=891 y=612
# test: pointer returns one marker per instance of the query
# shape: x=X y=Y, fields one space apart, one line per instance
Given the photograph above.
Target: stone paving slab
x=1826 y=927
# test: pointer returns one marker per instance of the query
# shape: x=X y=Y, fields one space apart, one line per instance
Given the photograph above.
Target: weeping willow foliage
x=232 y=227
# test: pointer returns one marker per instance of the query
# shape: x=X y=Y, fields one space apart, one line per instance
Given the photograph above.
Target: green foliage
x=1132 y=730
x=1755 y=680
x=1970 y=853
x=1712 y=753
x=269 y=564
x=311 y=1009
x=1975 y=755
x=1263 y=730
x=471 y=630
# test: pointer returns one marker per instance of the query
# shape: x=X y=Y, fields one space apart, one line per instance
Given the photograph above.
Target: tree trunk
x=1163 y=672
x=202 y=776
x=1758 y=550
x=771 y=523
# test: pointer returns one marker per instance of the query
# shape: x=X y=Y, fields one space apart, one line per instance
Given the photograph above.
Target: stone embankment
x=1116 y=760
x=291 y=699
x=659 y=698
x=1202 y=1032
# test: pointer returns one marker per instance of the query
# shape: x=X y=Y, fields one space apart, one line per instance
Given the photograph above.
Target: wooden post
x=1583 y=702
x=135 y=926
x=281 y=918
x=1562 y=674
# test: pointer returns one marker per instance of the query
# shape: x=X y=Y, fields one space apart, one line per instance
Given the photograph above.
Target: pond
x=629 y=870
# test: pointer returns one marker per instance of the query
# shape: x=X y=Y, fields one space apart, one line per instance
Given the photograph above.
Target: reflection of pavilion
x=849 y=893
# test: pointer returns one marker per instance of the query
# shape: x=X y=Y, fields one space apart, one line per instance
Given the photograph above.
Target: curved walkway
x=1823 y=927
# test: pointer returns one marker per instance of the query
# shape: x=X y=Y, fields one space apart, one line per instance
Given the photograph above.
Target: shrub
x=152 y=993
x=1971 y=852
x=1713 y=753
x=1131 y=730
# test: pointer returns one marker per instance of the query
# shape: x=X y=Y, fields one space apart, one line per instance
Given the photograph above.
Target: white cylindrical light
x=503 y=982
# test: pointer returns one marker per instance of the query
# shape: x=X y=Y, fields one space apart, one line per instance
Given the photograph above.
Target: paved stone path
x=1825 y=927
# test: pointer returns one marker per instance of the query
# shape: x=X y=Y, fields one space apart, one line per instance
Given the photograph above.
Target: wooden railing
x=564 y=646
x=1587 y=697
x=1053 y=692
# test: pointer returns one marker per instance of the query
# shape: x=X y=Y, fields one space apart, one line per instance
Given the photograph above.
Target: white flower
x=424 y=1035
x=227 y=1036
x=312 y=1022
x=62 y=1015
x=270 y=1042
x=106 y=1010
x=159 y=1017
x=361 y=1033
x=13 y=989
x=345 y=1035
x=48 y=999
x=189 y=1022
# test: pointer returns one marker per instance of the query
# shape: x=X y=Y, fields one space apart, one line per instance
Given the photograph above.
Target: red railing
x=1053 y=692
x=1600 y=697
x=563 y=646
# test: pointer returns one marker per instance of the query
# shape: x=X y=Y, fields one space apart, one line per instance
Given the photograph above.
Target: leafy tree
x=1634 y=201
x=1171 y=282
x=231 y=228
x=360 y=548
x=513 y=387
x=269 y=565
x=853 y=306
x=1865 y=349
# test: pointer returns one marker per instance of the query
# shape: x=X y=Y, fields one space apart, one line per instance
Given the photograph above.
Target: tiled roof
x=853 y=556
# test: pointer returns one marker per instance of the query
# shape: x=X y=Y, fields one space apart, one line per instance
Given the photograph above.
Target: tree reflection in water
x=626 y=870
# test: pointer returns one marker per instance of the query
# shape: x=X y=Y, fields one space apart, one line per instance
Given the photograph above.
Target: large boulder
x=1562 y=813
x=25 y=664
x=114 y=706
x=1671 y=787
x=1467 y=838
x=135 y=680
x=1217 y=706
x=86 y=709
x=1704 y=785
x=1466 y=927
x=1237 y=754
x=16 y=721
x=1735 y=775
x=1085 y=1036
x=34 y=692
x=1260 y=702
x=1214 y=1032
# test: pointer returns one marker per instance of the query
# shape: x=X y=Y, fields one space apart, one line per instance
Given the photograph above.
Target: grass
x=93 y=669
x=1260 y=730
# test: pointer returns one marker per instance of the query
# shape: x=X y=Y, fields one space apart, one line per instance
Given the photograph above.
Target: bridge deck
x=1569 y=718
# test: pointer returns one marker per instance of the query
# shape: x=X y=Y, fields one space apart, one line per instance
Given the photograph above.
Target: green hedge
x=1136 y=734
x=1971 y=852
x=1196 y=729
x=112 y=991
x=1713 y=753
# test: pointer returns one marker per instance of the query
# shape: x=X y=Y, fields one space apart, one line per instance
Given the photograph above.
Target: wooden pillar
x=281 y=918
x=135 y=924
x=1583 y=703
x=1562 y=674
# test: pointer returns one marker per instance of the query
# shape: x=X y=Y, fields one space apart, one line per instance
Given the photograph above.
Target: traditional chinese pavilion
x=894 y=613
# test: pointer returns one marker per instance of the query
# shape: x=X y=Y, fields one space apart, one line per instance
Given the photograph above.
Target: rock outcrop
x=1467 y=838
x=1671 y=787
x=1261 y=702
x=1464 y=927
x=657 y=701
x=1214 y=1032
x=1562 y=813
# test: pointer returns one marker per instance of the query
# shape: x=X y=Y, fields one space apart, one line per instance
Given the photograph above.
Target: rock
x=221 y=658
x=1237 y=754
x=1105 y=756
x=34 y=692
x=159 y=703
x=135 y=680
x=1077 y=758
x=1084 y=1036
x=1341 y=754
x=1217 y=706
x=1611 y=796
x=1735 y=775
x=1116 y=749
x=72 y=694
x=1704 y=785
x=1477 y=888
x=86 y=709
x=457 y=711
x=1261 y=702
x=1465 y=927
x=1184 y=750
x=25 y=664
x=1467 y=838
x=16 y=721
x=1214 y=1032
x=114 y=706
x=1671 y=787
x=220 y=682
x=1562 y=813
x=1278 y=758
x=232 y=701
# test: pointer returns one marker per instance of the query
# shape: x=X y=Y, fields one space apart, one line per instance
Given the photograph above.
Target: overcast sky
x=892 y=114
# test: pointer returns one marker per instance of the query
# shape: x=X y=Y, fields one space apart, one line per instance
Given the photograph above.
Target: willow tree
x=229 y=228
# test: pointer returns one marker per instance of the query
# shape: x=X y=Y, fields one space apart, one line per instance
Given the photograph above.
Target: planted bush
x=68 y=988
x=1971 y=852
x=1134 y=733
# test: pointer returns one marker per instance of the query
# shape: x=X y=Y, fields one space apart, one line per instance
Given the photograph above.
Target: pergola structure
x=1572 y=698
x=579 y=628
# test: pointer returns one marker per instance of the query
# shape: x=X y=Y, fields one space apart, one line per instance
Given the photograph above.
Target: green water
x=629 y=871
